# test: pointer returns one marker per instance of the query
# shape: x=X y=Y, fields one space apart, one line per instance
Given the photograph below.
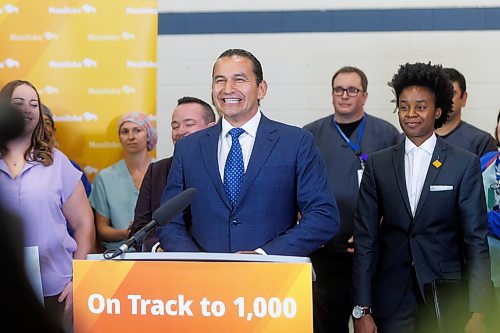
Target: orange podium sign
x=164 y=295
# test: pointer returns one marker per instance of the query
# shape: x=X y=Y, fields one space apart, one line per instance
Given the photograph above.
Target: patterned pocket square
x=437 y=188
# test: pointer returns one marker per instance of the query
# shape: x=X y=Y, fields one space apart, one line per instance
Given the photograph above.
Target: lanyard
x=355 y=147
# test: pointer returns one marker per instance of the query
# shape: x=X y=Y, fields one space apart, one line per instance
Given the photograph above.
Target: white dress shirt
x=246 y=139
x=417 y=162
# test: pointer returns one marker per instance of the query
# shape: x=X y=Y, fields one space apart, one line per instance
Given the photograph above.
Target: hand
x=159 y=249
x=248 y=252
x=476 y=323
x=350 y=245
x=365 y=324
x=67 y=297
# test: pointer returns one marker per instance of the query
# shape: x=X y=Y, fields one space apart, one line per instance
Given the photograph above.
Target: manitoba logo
x=88 y=9
x=90 y=169
x=66 y=10
x=141 y=64
x=111 y=37
x=103 y=91
x=87 y=63
x=141 y=10
x=104 y=144
x=49 y=90
x=111 y=90
x=26 y=38
x=9 y=9
x=10 y=63
x=127 y=35
x=128 y=90
x=50 y=35
x=88 y=116
x=72 y=118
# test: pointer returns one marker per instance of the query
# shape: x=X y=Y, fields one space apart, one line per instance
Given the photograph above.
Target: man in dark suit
x=344 y=138
x=190 y=115
x=273 y=172
x=421 y=215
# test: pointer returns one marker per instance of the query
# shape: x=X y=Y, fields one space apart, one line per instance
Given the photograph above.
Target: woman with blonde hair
x=43 y=188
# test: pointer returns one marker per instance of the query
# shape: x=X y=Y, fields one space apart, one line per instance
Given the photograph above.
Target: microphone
x=161 y=216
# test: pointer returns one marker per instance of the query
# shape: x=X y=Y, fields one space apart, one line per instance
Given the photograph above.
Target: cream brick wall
x=298 y=66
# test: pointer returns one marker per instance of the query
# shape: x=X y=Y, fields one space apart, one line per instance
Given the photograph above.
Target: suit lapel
x=439 y=154
x=208 y=147
x=398 y=158
x=265 y=140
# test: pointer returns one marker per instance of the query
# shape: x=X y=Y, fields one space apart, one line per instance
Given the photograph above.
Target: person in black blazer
x=421 y=215
x=190 y=115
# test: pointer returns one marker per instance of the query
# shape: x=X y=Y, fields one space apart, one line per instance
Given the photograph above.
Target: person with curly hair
x=421 y=219
x=42 y=187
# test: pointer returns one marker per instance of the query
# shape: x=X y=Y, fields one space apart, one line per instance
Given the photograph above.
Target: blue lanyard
x=355 y=147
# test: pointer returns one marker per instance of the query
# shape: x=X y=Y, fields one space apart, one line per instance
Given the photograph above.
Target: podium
x=192 y=292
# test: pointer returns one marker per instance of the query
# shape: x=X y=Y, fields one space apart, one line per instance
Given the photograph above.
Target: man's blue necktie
x=234 y=169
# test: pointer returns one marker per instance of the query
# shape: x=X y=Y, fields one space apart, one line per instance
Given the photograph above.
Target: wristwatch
x=360 y=311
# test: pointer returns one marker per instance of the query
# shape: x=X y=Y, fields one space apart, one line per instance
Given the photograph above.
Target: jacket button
x=234 y=222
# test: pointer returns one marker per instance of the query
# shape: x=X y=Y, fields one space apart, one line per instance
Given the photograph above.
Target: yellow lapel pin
x=437 y=164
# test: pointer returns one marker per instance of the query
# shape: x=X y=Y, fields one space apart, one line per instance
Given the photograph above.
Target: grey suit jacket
x=445 y=240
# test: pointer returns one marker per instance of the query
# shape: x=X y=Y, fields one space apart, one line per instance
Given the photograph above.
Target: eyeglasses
x=351 y=91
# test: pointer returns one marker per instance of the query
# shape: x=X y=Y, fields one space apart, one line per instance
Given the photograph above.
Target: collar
x=428 y=145
x=250 y=126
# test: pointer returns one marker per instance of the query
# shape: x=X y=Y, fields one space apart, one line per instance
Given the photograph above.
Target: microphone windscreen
x=11 y=121
x=174 y=206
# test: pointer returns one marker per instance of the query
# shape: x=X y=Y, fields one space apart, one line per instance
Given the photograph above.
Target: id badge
x=360 y=176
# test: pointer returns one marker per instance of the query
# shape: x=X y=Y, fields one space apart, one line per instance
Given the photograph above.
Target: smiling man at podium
x=253 y=176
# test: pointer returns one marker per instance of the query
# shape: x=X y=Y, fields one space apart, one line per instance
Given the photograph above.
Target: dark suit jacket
x=150 y=193
x=445 y=240
x=285 y=175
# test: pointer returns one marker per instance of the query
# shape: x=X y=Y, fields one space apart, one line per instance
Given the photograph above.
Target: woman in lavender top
x=43 y=188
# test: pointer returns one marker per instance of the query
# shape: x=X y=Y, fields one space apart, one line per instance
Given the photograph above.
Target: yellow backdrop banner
x=92 y=61
x=170 y=296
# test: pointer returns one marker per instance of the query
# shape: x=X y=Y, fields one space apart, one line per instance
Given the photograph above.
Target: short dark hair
x=257 y=67
x=208 y=112
x=456 y=76
x=351 y=69
x=430 y=76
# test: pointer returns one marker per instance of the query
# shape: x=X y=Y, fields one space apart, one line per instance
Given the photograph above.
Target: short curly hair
x=430 y=76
